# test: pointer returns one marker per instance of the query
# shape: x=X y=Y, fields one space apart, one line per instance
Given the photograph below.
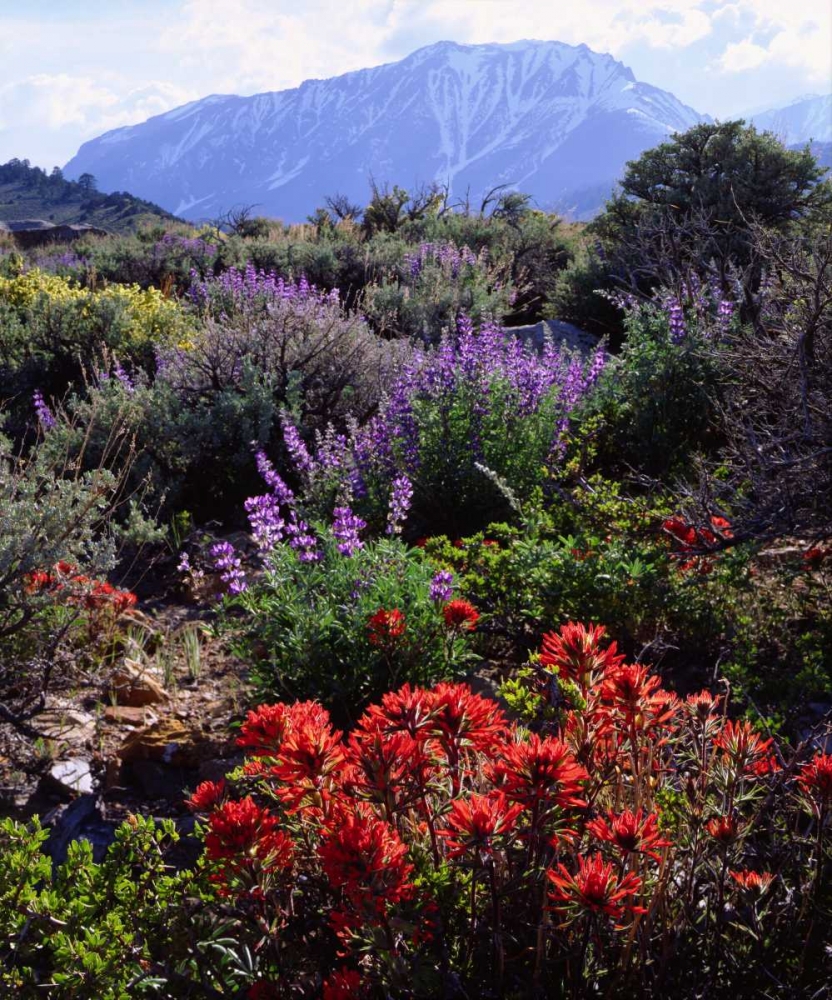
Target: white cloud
x=741 y=56
x=89 y=107
x=799 y=36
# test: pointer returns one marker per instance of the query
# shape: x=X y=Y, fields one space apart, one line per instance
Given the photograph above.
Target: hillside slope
x=29 y=193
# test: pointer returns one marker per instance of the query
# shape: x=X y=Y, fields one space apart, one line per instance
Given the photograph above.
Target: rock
x=214 y=770
x=167 y=741
x=130 y=715
x=68 y=726
x=72 y=775
x=80 y=819
x=135 y=687
x=560 y=332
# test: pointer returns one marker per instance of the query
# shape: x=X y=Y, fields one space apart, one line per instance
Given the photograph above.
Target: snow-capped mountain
x=808 y=119
x=553 y=120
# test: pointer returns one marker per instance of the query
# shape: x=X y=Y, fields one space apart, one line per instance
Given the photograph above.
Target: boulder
x=132 y=685
x=73 y=776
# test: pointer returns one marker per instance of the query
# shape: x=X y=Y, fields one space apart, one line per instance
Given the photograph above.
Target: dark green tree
x=691 y=203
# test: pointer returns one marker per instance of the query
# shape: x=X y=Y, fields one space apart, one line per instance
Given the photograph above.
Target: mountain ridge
x=556 y=120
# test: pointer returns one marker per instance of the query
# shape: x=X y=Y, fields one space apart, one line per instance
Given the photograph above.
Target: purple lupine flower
x=184 y=564
x=401 y=495
x=272 y=479
x=442 y=586
x=302 y=540
x=676 y=321
x=345 y=530
x=44 y=414
x=296 y=447
x=265 y=520
x=724 y=315
x=229 y=566
x=123 y=377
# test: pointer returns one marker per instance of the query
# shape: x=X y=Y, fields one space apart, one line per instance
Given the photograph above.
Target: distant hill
x=28 y=192
x=555 y=121
x=808 y=119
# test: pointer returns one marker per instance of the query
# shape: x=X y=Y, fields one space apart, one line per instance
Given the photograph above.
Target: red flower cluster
x=242 y=833
x=460 y=615
x=385 y=627
x=80 y=589
x=631 y=832
x=323 y=835
x=692 y=541
x=816 y=780
x=594 y=887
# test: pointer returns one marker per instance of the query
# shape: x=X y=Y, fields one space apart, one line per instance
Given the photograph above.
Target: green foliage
x=304 y=626
x=657 y=399
x=113 y=930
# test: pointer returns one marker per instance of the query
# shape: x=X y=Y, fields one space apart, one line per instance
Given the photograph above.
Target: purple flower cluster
x=271 y=478
x=229 y=566
x=190 y=246
x=474 y=367
x=442 y=586
x=676 y=320
x=296 y=447
x=724 y=315
x=44 y=414
x=401 y=495
x=247 y=289
x=302 y=540
x=447 y=255
x=266 y=523
x=345 y=530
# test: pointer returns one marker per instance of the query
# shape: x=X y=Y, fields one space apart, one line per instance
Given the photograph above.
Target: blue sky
x=72 y=69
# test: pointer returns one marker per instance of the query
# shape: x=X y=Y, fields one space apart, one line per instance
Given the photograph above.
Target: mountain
x=808 y=119
x=27 y=192
x=553 y=120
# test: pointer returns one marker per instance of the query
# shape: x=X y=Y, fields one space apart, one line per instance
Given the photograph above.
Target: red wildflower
x=242 y=832
x=595 y=887
x=745 y=748
x=702 y=706
x=815 y=557
x=722 y=525
x=311 y=757
x=464 y=719
x=630 y=832
x=575 y=653
x=816 y=779
x=207 y=795
x=380 y=766
x=473 y=825
x=681 y=531
x=65 y=568
x=755 y=883
x=638 y=695
x=460 y=614
x=267 y=726
x=491 y=543
x=345 y=984
x=386 y=626
x=723 y=828
x=367 y=859
x=408 y=710
x=39 y=581
x=539 y=772
x=123 y=600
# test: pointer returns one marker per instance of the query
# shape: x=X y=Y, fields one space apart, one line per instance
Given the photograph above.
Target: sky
x=73 y=69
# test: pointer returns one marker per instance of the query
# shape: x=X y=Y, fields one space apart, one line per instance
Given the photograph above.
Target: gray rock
x=72 y=775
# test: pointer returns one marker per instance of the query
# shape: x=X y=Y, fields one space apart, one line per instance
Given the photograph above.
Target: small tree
x=87 y=183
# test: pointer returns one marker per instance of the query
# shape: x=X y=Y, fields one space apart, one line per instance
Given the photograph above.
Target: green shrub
x=305 y=625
